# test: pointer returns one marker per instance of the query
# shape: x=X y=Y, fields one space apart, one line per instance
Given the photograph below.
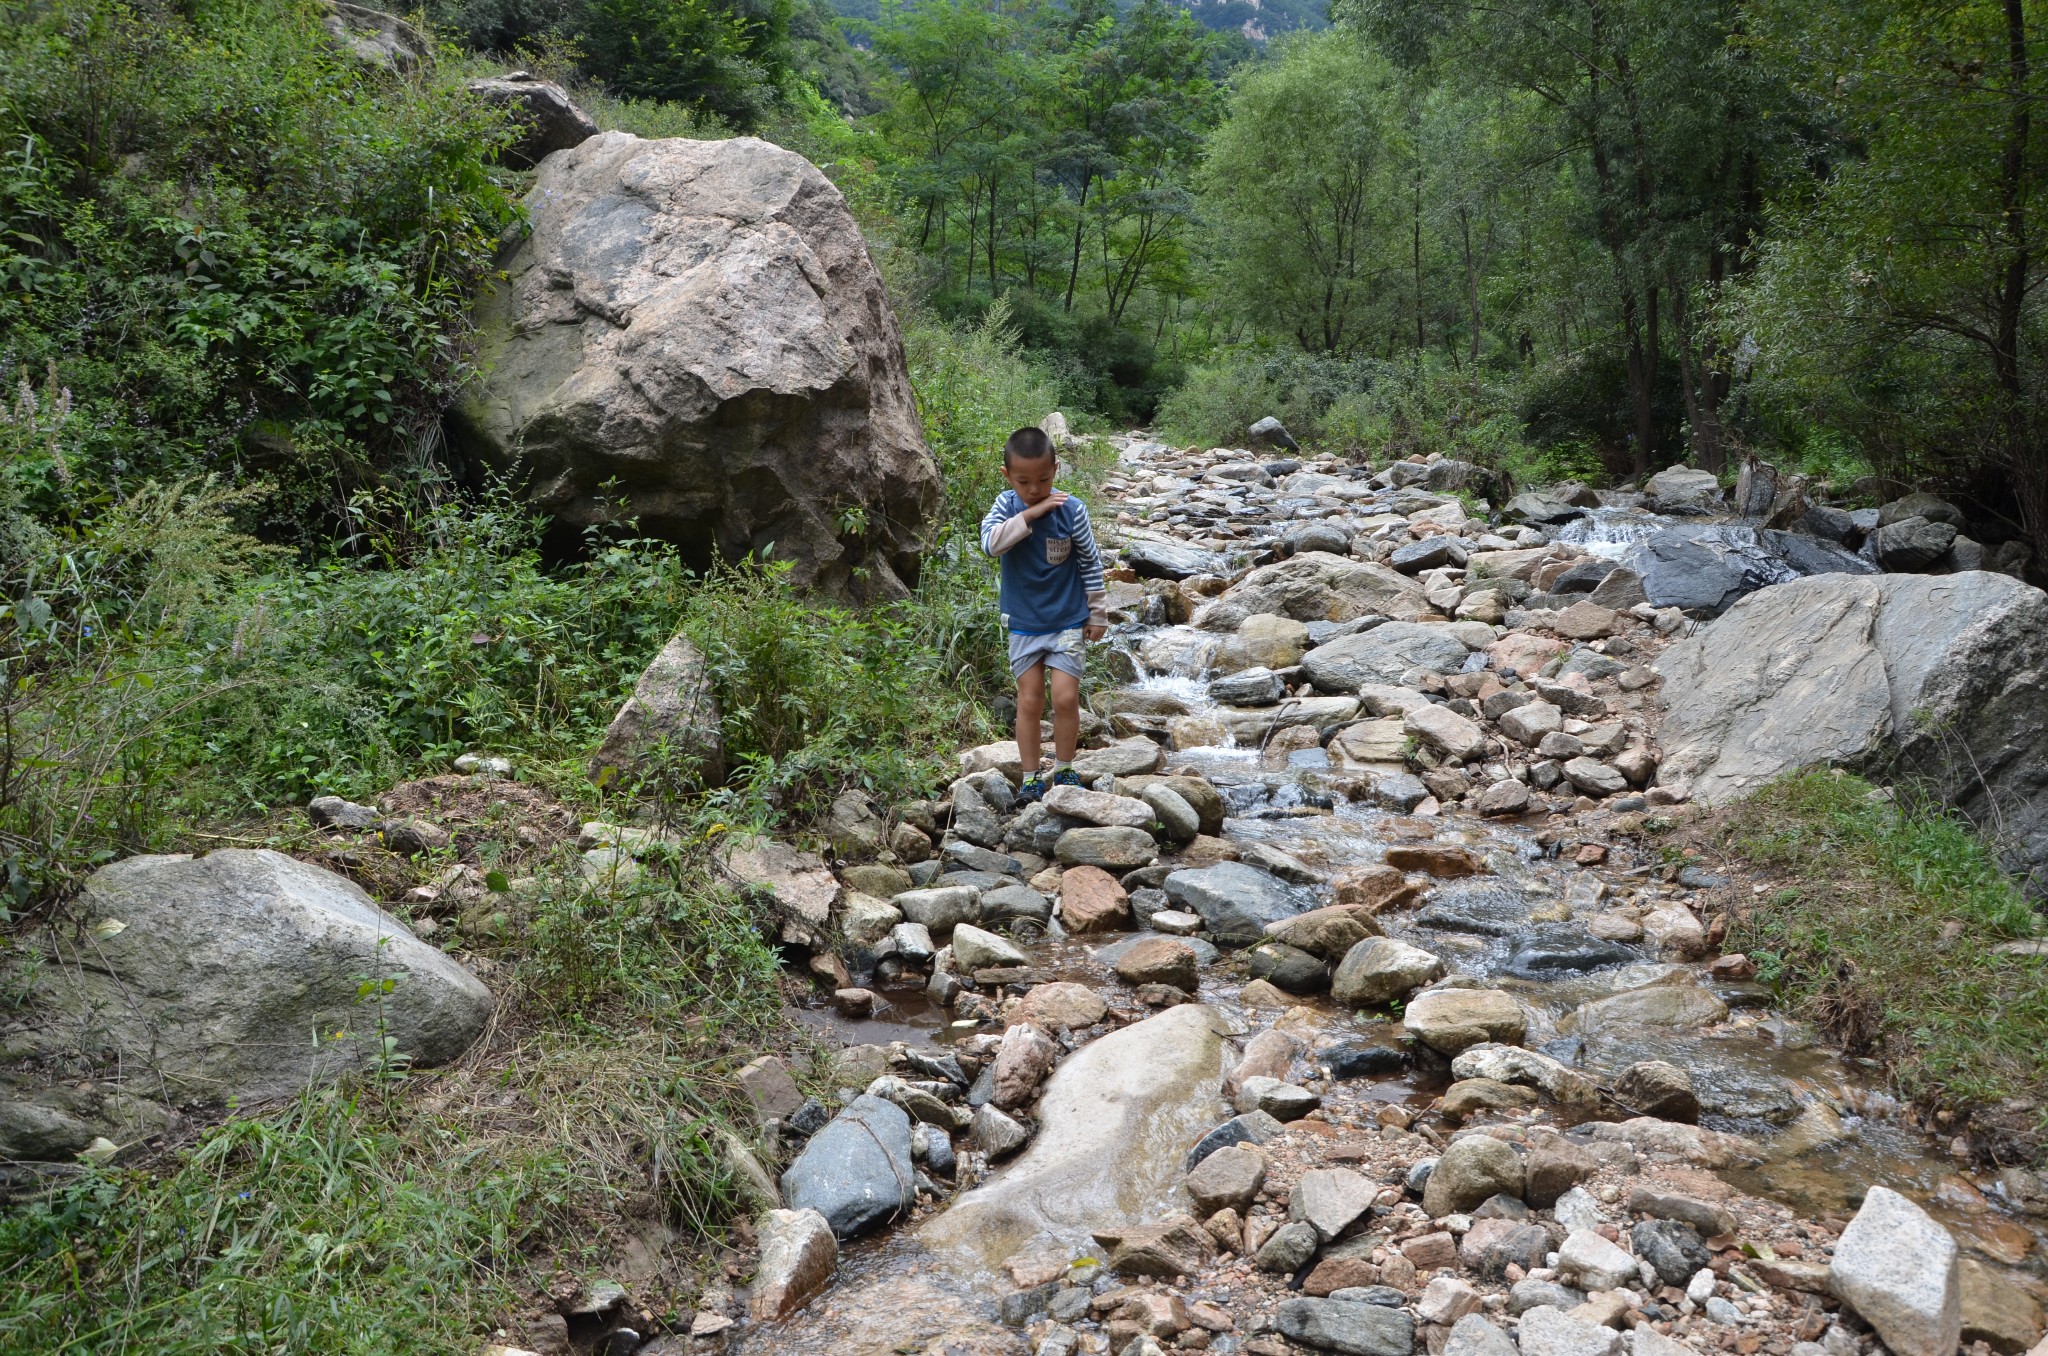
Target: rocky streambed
x=1355 y=1004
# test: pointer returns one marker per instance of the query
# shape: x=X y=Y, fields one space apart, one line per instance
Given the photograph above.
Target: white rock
x=1545 y=1331
x=1590 y=1262
x=1576 y=1210
x=1447 y=1300
x=1473 y=1335
x=1330 y=1199
x=1700 y=1288
x=1900 y=1272
x=798 y=1255
x=974 y=949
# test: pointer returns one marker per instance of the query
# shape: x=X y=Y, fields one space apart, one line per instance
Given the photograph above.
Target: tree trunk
x=2030 y=476
x=1080 y=222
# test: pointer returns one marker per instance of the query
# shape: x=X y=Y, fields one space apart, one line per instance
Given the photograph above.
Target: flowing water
x=1827 y=1128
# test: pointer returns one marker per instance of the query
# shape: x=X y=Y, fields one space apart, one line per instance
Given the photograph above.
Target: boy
x=1053 y=598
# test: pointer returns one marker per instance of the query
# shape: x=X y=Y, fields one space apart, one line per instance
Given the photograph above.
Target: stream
x=1825 y=1126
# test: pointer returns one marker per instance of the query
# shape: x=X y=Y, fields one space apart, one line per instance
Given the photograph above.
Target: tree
x=1898 y=297
x=1304 y=189
x=1666 y=124
x=723 y=58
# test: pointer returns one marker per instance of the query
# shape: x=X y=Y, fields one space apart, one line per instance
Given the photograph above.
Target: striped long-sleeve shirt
x=1052 y=571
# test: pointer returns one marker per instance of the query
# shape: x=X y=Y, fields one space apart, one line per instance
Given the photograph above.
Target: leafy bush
x=247 y=254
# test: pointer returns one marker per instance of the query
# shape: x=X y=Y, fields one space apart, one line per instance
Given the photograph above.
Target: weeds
x=1887 y=934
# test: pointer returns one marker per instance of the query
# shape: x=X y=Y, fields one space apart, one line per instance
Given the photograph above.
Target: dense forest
x=1597 y=237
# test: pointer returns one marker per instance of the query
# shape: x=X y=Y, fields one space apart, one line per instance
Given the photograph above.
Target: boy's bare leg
x=1066 y=715
x=1031 y=710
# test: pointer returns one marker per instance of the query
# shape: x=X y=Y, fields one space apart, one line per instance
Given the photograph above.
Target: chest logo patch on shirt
x=1057 y=550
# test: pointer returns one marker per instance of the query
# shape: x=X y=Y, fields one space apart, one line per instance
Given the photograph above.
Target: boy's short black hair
x=1026 y=444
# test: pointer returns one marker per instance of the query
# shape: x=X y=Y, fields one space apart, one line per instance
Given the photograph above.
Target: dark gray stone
x=1288 y=968
x=1289 y=1249
x=1269 y=432
x=1153 y=558
x=1019 y=1307
x=1250 y=687
x=1673 y=1248
x=1366 y=1061
x=1555 y=955
x=1427 y=554
x=1913 y=544
x=1254 y=1127
x=1347 y=1327
x=1526 y=1295
x=856 y=1172
x=1705 y=567
x=1237 y=901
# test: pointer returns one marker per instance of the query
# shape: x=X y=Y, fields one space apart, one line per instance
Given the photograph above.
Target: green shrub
x=245 y=253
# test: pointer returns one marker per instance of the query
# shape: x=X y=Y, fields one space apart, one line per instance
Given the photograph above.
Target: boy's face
x=1031 y=479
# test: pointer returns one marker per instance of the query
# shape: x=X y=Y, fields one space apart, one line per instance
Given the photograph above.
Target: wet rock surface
x=1415 y=1039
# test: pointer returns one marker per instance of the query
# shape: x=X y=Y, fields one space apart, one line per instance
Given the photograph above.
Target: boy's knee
x=1066 y=696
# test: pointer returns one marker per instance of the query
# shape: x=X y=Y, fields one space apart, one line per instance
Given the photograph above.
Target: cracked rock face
x=1946 y=670
x=693 y=330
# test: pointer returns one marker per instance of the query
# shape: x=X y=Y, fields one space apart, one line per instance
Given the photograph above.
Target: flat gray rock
x=1346 y=1326
x=1237 y=901
x=1937 y=673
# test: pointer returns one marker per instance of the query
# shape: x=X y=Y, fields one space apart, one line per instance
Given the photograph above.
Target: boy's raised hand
x=1046 y=505
x=1092 y=632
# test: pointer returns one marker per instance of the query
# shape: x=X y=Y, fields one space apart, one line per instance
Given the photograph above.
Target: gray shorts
x=1060 y=650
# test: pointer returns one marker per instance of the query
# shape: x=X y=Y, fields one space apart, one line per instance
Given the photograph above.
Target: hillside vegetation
x=239 y=568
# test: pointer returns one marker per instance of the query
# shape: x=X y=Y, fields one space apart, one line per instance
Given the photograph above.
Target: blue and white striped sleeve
x=1003 y=526
x=1088 y=558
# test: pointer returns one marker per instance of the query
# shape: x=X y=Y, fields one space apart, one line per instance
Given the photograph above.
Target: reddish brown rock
x=1436 y=859
x=1092 y=901
x=1339 y=1273
x=1159 y=960
x=1375 y=889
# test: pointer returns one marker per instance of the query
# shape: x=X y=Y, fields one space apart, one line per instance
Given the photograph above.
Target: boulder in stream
x=1938 y=674
x=856 y=1172
x=1237 y=901
x=1114 y=1120
x=1900 y=1271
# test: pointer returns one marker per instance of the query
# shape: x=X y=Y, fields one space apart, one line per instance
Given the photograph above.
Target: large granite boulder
x=1317 y=586
x=546 y=118
x=1115 y=1123
x=1382 y=656
x=374 y=38
x=692 y=333
x=1940 y=674
x=237 y=975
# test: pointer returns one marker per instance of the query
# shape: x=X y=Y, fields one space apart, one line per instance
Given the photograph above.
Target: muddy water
x=1826 y=1126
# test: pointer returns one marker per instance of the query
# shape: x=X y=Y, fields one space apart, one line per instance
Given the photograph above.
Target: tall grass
x=1888 y=934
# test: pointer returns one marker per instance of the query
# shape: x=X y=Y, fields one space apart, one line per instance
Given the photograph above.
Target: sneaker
x=1032 y=789
x=1066 y=776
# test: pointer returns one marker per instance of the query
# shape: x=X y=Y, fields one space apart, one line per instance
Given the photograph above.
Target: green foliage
x=1308 y=228
x=719 y=58
x=240 y=248
x=1887 y=936
x=817 y=699
x=1898 y=299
